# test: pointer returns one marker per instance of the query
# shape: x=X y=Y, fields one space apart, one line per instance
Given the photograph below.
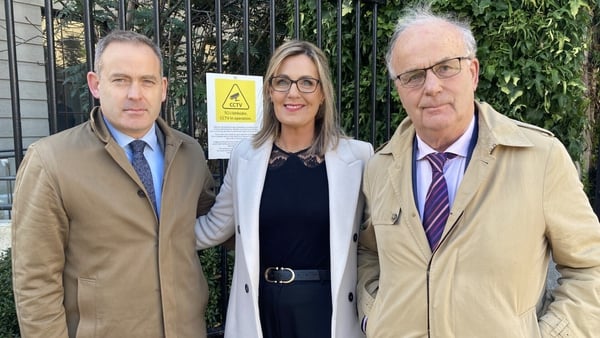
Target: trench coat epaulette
x=381 y=146
x=534 y=128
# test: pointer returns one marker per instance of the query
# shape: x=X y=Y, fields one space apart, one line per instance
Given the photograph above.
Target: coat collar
x=163 y=131
x=494 y=129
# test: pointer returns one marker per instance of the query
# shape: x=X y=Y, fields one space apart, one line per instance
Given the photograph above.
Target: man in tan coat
x=508 y=197
x=95 y=252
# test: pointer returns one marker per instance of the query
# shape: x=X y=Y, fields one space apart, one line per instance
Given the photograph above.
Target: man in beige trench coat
x=515 y=198
x=95 y=254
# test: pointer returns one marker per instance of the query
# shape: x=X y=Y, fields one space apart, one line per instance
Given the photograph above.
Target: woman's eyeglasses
x=304 y=84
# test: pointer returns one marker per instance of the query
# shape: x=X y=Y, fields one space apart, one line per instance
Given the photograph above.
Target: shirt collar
x=460 y=147
x=123 y=140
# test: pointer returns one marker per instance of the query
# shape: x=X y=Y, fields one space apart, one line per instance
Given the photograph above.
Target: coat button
x=355 y=237
x=246 y=288
x=141 y=193
x=350 y=296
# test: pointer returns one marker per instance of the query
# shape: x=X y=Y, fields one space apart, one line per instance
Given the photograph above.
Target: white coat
x=237 y=209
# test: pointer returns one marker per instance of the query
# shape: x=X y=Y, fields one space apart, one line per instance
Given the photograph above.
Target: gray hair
x=423 y=14
x=128 y=37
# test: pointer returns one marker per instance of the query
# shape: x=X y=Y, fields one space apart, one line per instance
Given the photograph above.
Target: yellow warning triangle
x=235 y=99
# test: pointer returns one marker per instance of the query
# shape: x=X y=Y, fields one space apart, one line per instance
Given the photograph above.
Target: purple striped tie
x=437 y=204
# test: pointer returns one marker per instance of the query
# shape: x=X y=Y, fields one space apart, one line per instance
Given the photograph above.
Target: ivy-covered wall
x=533 y=54
x=539 y=64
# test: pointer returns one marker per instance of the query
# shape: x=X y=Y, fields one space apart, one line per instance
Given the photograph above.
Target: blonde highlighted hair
x=327 y=129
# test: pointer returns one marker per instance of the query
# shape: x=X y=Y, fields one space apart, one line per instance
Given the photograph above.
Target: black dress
x=294 y=233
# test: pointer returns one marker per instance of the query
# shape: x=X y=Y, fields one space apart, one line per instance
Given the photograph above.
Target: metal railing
x=225 y=21
x=6 y=183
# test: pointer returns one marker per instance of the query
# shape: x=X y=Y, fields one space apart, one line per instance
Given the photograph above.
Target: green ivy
x=532 y=55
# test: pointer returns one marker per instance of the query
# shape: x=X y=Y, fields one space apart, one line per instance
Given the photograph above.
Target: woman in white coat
x=292 y=196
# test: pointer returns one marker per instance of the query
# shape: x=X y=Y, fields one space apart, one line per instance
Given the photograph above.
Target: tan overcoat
x=90 y=258
x=519 y=201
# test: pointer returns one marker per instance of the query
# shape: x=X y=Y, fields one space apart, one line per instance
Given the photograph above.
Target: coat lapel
x=250 y=181
x=400 y=178
x=344 y=190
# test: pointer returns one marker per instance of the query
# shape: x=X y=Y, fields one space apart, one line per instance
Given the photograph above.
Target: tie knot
x=437 y=160
x=137 y=146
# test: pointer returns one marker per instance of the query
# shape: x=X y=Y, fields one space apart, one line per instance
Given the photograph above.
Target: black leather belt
x=286 y=275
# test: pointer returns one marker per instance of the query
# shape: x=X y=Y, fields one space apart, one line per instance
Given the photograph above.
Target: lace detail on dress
x=280 y=156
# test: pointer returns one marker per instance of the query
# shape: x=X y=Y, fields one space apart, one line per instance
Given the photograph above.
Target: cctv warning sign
x=233 y=111
x=237 y=98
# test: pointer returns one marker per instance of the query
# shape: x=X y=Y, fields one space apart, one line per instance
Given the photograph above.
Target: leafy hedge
x=532 y=54
x=9 y=327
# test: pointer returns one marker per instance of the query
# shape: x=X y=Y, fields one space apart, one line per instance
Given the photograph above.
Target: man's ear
x=165 y=87
x=93 y=81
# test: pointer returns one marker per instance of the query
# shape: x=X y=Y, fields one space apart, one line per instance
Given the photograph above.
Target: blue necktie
x=437 y=203
x=142 y=168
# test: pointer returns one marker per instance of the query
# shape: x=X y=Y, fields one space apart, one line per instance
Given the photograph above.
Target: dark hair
x=124 y=36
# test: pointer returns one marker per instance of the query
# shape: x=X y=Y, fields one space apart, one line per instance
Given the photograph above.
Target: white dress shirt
x=454 y=169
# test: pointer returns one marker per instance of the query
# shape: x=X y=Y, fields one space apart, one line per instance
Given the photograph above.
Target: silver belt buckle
x=268 y=270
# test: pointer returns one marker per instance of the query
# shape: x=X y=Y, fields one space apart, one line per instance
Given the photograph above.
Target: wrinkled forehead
x=425 y=44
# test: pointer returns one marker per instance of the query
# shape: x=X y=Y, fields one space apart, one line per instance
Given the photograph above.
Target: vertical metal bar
x=224 y=282
x=357 y=68
x=219 y=36
x=339 y=59
x=319 y=24
x=190 y=68
x=14 y=82
x=218 y=39
x=373 y=102
x=296 y=19
x=122 y=15
x=374 y=75
x=51 y=67
x=156 y=21
x=246 y=26
x=89 y=41
x=157 y=40
x=272 y=24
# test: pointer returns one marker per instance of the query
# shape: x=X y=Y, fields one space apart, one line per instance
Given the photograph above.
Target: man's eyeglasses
x=443 y=70
x=304 y=84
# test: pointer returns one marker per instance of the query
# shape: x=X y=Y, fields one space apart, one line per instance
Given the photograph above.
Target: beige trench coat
x=90 y=258
x=520 y=200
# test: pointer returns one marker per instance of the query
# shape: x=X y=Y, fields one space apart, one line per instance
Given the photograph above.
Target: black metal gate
x=199 y=36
